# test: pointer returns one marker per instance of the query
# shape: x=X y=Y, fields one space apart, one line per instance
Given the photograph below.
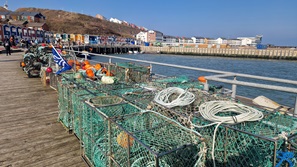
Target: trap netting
x=147 y=139
x=78 y=98
x=67 y=86
x=131 y=72
x=246 y=144
x=95 y=119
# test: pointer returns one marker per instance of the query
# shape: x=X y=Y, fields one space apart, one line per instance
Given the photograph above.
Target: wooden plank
x=30 y=132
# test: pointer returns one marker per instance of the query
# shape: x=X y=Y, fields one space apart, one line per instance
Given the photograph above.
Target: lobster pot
x=149 y=139
x=140 y=97
x=65 y=90
x=293 y=143
x=247 y=144
x=78 y=98
x=165 y=82
x=115 y=89
x=96 y=116
x=54 y=79
x=132 y=73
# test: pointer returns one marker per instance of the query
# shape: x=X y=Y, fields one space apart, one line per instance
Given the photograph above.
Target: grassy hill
x=69 y=22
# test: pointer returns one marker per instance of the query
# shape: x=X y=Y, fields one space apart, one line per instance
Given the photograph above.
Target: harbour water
x=269 y=68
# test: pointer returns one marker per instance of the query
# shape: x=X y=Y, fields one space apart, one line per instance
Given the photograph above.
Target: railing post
x=295 y=109
x=234 y=88
x=206 y=86
x=109 y=60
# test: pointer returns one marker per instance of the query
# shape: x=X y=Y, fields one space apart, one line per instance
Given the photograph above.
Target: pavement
x=13 y=50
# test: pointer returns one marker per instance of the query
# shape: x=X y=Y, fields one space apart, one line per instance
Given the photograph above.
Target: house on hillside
x=18 y=23
x=38 y=26
x=115 y=20
x=98 y=16
x=15 y=16
x=32 y=17
x=5 y=15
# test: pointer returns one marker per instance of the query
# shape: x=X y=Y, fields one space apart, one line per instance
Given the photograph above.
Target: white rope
x=184 y=97
x=209 y=110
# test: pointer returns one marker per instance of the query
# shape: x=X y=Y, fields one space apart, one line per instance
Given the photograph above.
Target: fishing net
x=96 y=115
x=78 y=98
x=140 y=97
x=246 y=144
x=132 y=73
x=136 y=140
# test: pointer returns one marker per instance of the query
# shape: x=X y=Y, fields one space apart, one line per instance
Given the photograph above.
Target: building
x=154 y=36
x=5 y=15
x=32 y=17
x=251 y=41
x=234 y=42
x=142 y=36
x=98 y=16
x=38 y=26
x=115 y=20
x=198 y=40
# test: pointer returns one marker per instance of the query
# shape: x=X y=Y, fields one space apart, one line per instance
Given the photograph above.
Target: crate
x=140 y=97
x=247 y=144
x=147 y=139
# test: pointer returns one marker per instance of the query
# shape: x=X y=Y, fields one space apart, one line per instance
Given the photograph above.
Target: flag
x=60 y=61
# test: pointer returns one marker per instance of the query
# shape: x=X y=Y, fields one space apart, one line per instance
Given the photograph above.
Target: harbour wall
x=287 y=54
x=107 y=49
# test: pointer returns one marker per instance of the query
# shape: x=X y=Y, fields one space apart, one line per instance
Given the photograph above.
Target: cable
x=209 y=110
x=184 y=97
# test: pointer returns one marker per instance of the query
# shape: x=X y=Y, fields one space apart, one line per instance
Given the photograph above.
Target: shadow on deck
x=29 y=132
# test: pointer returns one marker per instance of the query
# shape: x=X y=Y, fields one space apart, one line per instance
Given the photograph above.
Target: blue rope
x=284 y=156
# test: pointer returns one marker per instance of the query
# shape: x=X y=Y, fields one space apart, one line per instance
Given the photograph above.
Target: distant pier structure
x=275 y=53
x=107 y=49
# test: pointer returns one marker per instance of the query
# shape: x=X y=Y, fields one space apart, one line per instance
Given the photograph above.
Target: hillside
x=69 y=22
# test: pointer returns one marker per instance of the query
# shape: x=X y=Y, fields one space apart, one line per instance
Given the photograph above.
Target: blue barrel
x=261 y=46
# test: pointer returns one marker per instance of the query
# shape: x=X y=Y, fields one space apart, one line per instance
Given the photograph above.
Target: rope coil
x=184 y=97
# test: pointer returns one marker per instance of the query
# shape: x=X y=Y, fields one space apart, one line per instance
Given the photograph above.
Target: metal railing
x=221 y=77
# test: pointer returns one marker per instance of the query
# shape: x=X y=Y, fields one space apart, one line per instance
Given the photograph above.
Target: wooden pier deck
x=30 y=134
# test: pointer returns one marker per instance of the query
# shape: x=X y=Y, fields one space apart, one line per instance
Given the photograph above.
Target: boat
x=124 y=115
x=135 y=52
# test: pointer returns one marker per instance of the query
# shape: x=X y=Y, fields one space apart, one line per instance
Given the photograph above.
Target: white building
x=251 y=41
x=142 y=36
x=115 y=20
x=198 y=40
x=234 y=42
x=222 y=41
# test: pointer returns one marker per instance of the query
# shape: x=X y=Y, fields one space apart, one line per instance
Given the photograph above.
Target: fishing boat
x=123 y=115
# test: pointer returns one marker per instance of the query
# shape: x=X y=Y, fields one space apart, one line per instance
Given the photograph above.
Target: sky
x=276 y=20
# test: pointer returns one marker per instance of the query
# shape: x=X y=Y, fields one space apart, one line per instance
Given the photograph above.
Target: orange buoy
x=97 y=66
x=202 y=79
x=90 y=73
x=122 y=140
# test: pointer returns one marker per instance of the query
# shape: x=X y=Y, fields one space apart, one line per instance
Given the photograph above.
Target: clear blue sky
x=276 y=20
